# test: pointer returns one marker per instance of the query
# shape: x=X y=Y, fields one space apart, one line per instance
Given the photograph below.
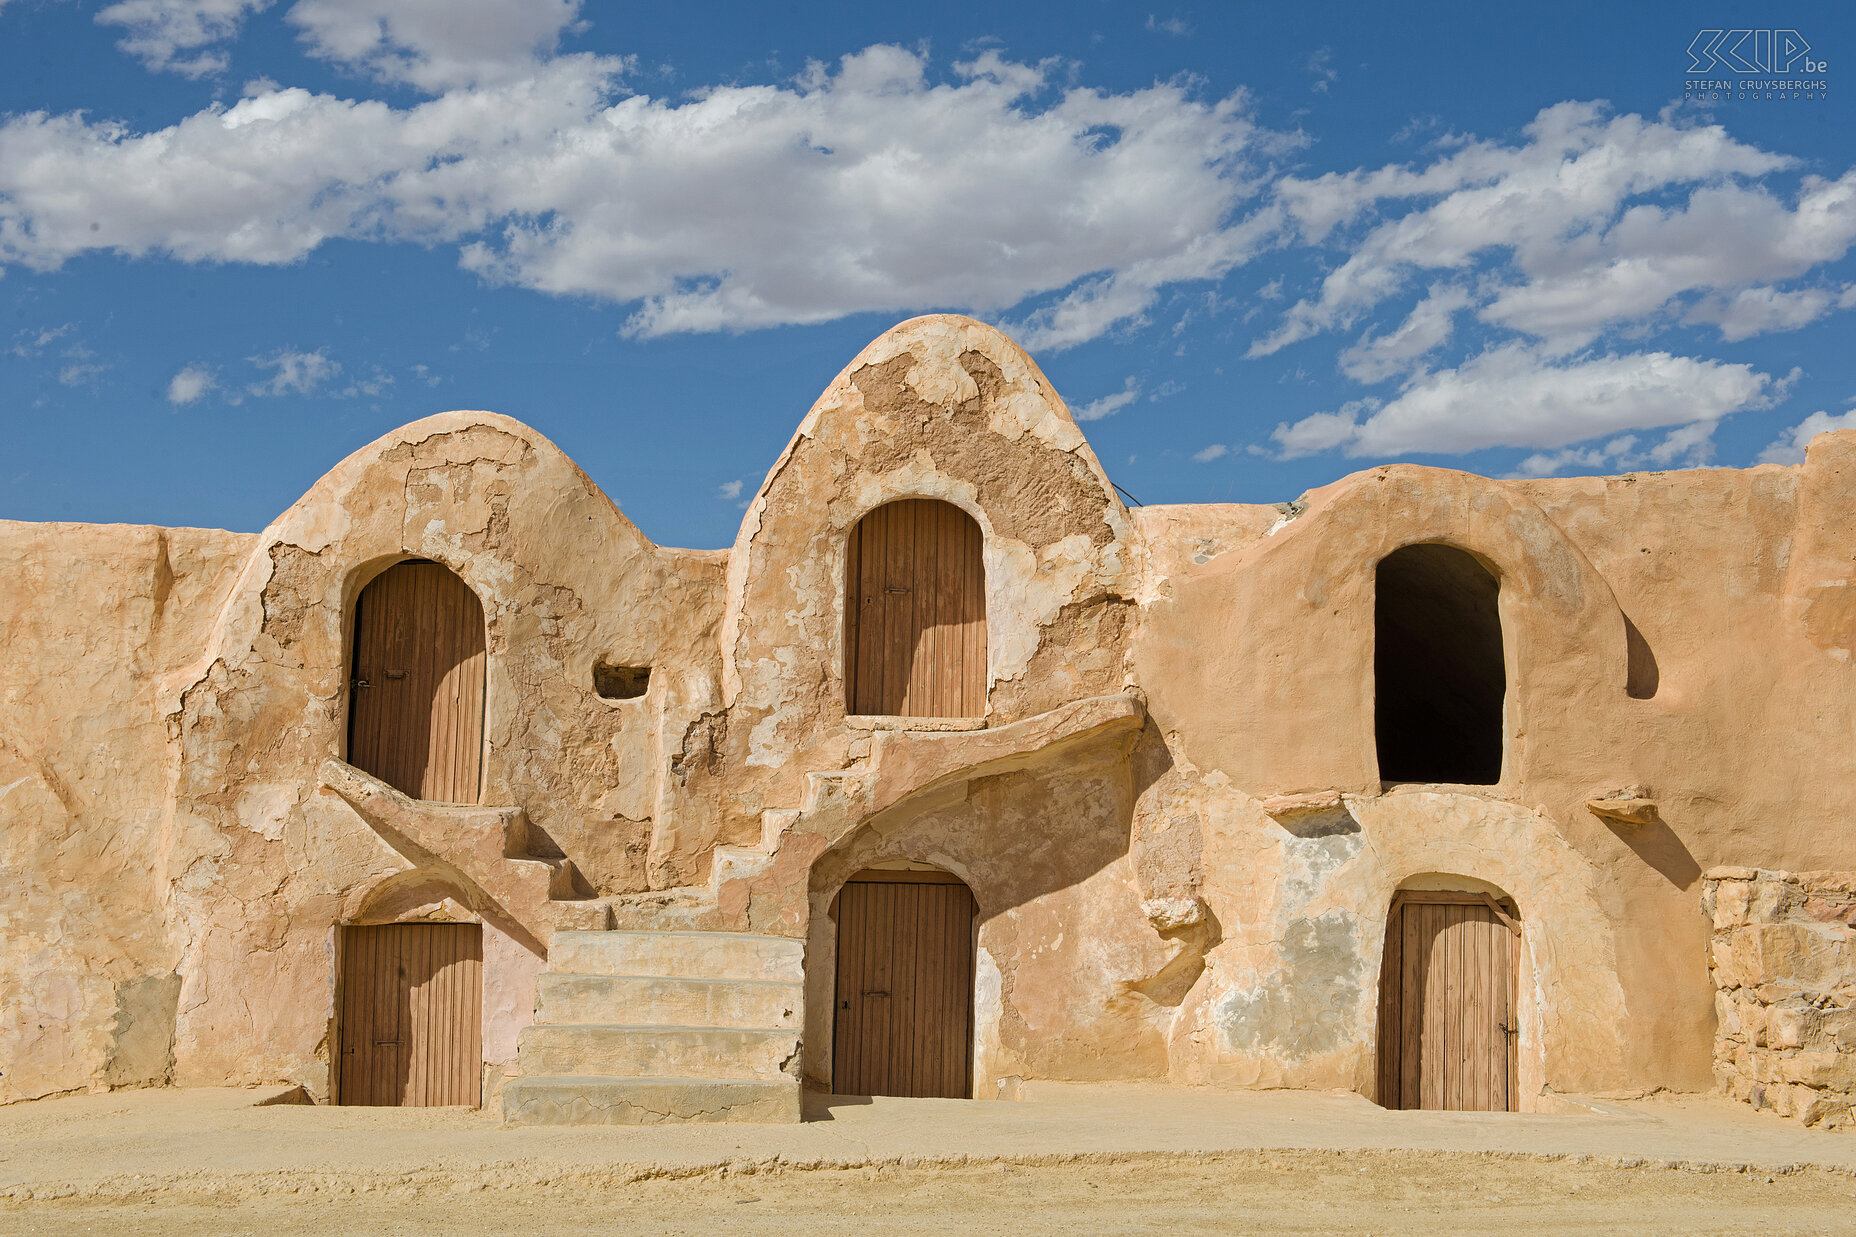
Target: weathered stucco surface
x=1171 y=815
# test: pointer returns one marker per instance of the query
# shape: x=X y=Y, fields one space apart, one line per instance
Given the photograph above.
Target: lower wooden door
x=411 y=1015
x=904 y=1021
x=1447 y=1037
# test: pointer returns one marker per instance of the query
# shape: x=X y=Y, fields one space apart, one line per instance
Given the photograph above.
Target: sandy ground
x=1085 y=1160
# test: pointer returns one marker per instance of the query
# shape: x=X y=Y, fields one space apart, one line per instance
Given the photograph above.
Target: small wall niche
x=620 y=682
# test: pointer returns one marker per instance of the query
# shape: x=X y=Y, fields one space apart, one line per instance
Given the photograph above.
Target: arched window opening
x=1439 y=675
x=903 y=1022
x=915 y=612
x=416 y=721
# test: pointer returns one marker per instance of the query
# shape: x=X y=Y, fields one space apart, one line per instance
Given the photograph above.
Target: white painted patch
x=264 y=809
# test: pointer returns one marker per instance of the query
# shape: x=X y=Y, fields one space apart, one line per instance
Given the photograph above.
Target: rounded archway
x=416 y=683
x=903 y=997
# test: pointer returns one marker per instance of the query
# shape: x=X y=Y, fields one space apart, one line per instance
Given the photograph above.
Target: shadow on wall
x=1657 y=845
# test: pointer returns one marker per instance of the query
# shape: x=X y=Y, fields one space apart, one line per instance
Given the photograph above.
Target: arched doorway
x=915 y=612
x=1438 y=671
x=1448 y=1023
x=416 y=721
x=904 y=995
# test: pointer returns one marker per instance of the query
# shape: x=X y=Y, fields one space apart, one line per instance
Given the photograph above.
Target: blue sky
x=1255 y=246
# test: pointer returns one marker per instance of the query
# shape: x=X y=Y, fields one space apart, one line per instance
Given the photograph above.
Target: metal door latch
x=359 y=683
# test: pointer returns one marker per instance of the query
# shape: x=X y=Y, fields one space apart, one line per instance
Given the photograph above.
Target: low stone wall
x=1783 y=957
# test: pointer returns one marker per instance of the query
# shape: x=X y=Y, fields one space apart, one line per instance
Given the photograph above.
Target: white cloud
x=1758 y=310
x=728 y=489
x=1788 y=447
x=80 y=373
x=1552 y=206
x=864 y=188
x=293 y=372
x=1206 y=455
x=34 y=340
x=190 y=384
x=434 y=44
x=179 y=35
x=1517 y=396
x=1320 y=65
x=1376 y=358
x=1111 y=404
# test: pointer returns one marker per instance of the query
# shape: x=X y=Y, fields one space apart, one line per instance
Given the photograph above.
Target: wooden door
x=412 y=1014
x=915 y=612
x=1447 y=1004
x=417 y=683
x=905 y=986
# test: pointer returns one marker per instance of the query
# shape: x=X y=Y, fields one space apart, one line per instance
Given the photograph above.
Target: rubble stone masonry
x=1783 y=956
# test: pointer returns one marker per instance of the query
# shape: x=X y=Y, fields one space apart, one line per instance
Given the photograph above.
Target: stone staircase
x=642 y=1027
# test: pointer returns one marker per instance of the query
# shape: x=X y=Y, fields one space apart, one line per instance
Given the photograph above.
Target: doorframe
x=1509 y=916
x=905 y=876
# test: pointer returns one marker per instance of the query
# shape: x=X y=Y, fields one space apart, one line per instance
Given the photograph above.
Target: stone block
x=1769 y=899
x=634 y=999
x=657 y=1052
x=1810 y=958
x=1786 y=1026
x=678 y=955
x=1838 y=1027
x=1829 y=1111
x=1835 y=1070
x=567 y=1100
x=1727 y=1023
x=1730 y=904
x=1753 y=1022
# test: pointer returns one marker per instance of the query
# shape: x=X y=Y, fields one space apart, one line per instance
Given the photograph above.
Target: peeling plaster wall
x=92 y=617
x=1067 y=959
x=1198 y=892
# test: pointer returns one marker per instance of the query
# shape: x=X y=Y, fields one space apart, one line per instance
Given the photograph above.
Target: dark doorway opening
x=1438 y=670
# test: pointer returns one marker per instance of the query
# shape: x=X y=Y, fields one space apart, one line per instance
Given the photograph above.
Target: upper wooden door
x=412 y=1014
x=417 y=718
x=904 y=1021
x=1447 y=1004
x=915 y=612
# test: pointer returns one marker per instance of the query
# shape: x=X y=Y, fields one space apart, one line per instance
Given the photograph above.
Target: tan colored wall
x=92 y=618
x=1173 y=821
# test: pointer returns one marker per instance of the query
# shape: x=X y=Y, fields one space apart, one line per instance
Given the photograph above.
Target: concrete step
x=678 y=955
x=595 y=1100
x=636 y=999
x=741 y=1054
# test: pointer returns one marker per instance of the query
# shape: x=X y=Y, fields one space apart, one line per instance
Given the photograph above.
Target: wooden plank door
x=905 y=986
x=412 y=1015
x=416 y=721
x=1447 y=1003
x=915 y=612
